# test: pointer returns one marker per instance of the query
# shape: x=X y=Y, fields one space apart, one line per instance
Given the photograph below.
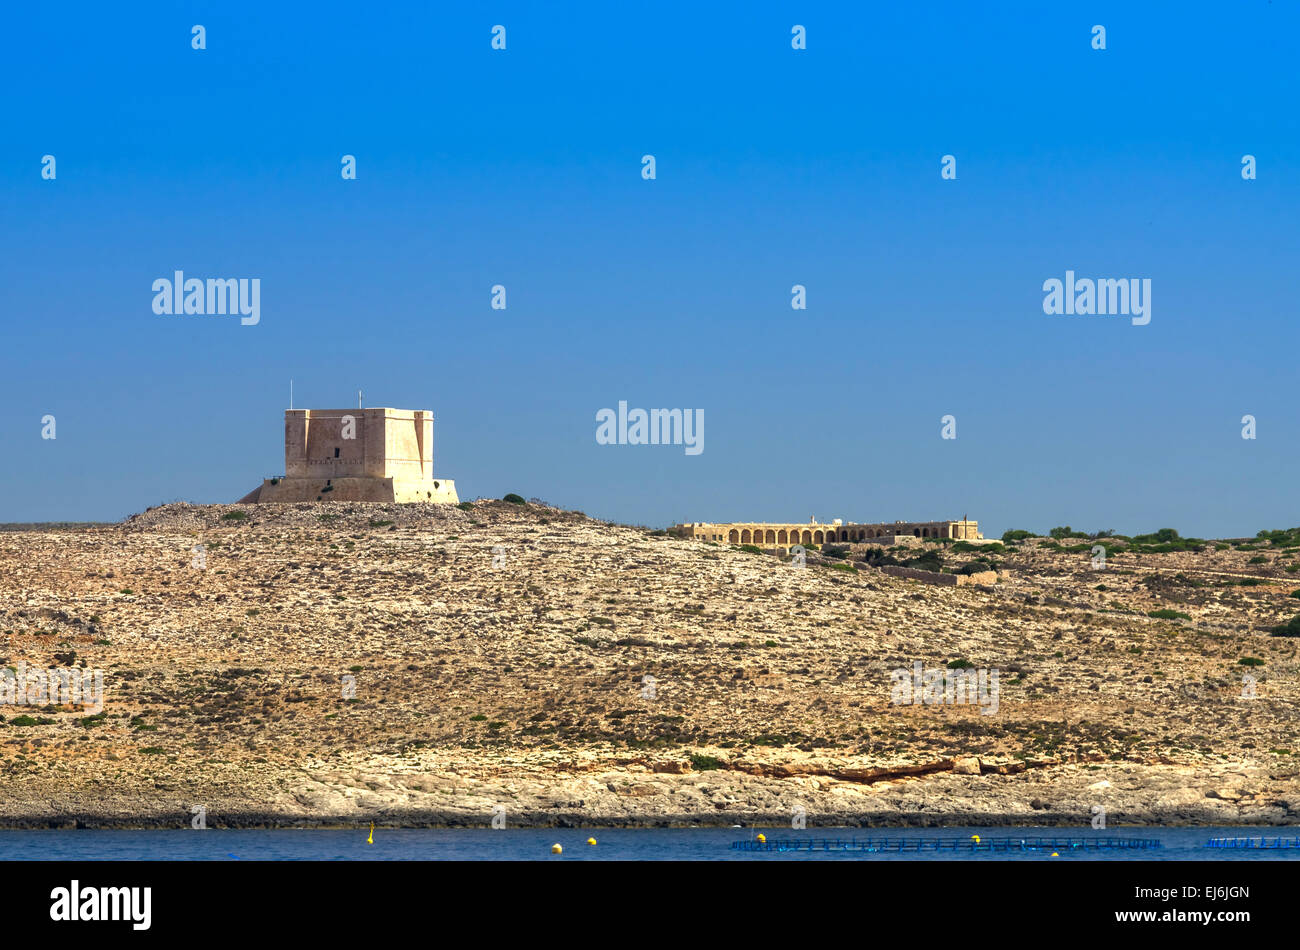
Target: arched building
x=767 y=534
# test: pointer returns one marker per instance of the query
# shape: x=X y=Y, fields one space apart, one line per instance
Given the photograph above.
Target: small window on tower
x=336 y=452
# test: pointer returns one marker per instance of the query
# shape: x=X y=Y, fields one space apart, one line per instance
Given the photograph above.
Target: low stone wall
x=352 y=488
x=860 y=547
x=916 y=574
x=906 y=540
x=983 y=578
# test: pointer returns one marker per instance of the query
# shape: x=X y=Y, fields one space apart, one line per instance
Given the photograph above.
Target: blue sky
x=775 y=167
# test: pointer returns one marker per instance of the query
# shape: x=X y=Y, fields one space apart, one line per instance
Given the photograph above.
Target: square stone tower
x=357 y=455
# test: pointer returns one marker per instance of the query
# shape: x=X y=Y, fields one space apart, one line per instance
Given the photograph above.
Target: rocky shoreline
x=669 y=794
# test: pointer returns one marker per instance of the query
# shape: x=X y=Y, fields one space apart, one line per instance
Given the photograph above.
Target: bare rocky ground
x=522 y=683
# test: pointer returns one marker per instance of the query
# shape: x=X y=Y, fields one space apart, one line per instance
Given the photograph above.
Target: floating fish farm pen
x=910 y=845
x=1276 y=842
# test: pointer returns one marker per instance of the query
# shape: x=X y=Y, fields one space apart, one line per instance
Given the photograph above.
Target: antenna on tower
x=358 y=399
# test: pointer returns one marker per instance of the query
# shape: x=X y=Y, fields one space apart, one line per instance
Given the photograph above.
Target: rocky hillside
x=337 y=663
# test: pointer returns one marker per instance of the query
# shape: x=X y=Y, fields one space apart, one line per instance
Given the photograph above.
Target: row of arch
x=808 y=536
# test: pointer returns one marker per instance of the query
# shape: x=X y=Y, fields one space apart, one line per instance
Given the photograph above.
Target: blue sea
x=658 y=844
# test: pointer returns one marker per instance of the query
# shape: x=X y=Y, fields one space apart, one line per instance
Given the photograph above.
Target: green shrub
x=25 y=720
x=1164 y=541
x=1017 y=534
x=1170 y=548
x=929 y=561
x=705 y=763
x=1164 y=613
x=1065 y=531
x=995 y=548
x=1163 y=536
x=1289 y=629
x=514 y=499
x=237 y=515
x=751 y=549
x=1250 y=661
x=1288 y=537
x=1258 y=559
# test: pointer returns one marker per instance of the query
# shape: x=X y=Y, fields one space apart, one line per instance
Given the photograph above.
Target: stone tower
x=356 y=455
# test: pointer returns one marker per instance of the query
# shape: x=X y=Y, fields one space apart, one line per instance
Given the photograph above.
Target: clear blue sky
x=775 y=167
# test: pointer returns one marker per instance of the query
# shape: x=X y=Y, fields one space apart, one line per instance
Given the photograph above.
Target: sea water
x=621 y=844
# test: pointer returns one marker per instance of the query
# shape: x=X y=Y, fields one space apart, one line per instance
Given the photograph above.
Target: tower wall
x=388 y=457
x=386 y=443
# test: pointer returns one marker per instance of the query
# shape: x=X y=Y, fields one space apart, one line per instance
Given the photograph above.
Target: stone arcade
x=784 y=534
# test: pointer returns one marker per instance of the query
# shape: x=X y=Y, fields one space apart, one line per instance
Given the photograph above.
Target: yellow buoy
x=977 y=838
x=556 y=849
x=591 y=841
x=762 y=839
x=371 y=839
x=1055 y=855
